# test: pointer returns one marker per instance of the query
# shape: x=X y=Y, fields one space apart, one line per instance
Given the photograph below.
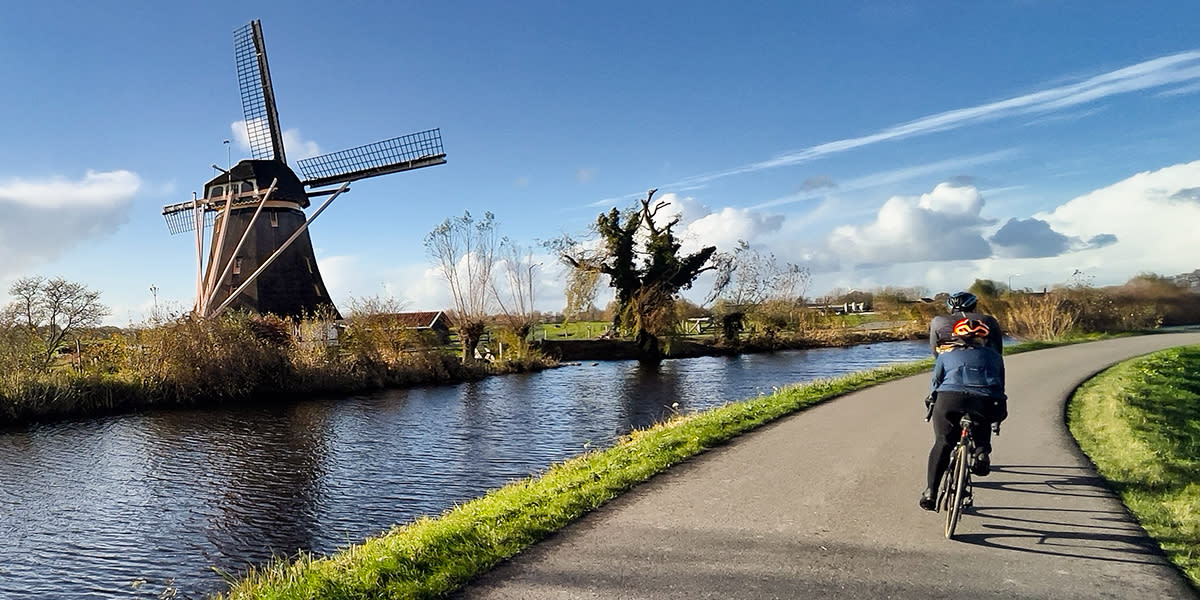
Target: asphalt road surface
x=823 y=504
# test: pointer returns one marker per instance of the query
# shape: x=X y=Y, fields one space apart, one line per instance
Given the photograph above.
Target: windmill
x=260 y=256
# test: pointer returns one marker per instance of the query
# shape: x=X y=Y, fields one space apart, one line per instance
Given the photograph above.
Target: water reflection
x=647 y=392
x=88 y=507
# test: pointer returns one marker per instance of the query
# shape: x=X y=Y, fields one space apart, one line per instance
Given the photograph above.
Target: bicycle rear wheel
x=957 y=490
x=945 y=492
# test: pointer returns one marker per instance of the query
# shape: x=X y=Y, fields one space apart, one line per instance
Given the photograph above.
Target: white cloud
x=44 y=219
x=944 y=224
x=700 y=226
x=421 y=286
x=687 y=208
x=100 y=190
x=1145 y=223
x=724 y=228
x=297 y=147
x=294 y=144
x=241 y=136
x=417 y=286
x=1152 y=215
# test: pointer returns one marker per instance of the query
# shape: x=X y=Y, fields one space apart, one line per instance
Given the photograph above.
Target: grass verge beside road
x=1139 y=422
x=433 y=556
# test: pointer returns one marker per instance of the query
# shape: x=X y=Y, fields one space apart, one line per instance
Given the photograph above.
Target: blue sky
x=922 y=144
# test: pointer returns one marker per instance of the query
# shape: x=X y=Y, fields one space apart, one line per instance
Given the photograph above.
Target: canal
x=133 y=506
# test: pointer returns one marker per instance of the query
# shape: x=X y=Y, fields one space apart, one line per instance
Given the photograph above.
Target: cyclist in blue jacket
x=968 y=376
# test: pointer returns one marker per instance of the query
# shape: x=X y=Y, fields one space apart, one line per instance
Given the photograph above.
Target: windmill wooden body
x=260 y=256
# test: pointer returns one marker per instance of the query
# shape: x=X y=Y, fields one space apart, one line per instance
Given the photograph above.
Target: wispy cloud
x=1173 y=70
x=894 y=176
x=1066 y=116
x=1181 y=90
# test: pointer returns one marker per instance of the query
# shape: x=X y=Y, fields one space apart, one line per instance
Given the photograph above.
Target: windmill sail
x=404 y=153
x=180 y=218
x=258 y=98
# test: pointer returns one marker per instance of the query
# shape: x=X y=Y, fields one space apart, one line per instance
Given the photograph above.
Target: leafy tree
x=581 y=294
x=465 y=252
x=641 y=258
x=45 y=312
x=986 y=289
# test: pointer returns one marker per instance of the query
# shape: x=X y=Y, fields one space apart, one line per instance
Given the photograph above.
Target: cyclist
x=968 y=376
x=961 y=306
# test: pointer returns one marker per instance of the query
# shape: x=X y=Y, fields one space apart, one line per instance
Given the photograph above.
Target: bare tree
x=747 y=278
x=515 y=297
x=377 y=330
x=465 y=252
x=47 y=311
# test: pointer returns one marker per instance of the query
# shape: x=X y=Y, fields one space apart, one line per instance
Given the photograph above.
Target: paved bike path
x=823 y=504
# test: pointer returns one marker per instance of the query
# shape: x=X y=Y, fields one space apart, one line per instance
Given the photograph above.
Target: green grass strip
x=1139 y=422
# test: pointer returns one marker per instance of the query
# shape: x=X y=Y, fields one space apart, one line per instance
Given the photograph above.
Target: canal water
x=134 y=506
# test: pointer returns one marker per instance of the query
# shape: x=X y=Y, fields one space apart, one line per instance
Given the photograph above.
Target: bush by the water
x=238 y=357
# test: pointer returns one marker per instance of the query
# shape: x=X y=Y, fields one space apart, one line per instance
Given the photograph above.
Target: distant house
x=435 y=321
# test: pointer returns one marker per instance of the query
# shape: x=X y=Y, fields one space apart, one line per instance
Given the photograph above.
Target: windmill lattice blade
x=404 y=153
x=258 y=99
x=180 y=217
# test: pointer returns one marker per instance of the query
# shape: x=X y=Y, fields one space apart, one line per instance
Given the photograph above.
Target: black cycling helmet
x=961 y=302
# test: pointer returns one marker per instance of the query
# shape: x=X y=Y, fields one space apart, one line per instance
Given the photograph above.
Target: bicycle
x=955 y=490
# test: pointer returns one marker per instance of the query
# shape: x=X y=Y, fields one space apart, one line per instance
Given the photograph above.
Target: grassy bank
x=1139 y=422
x=433 y=556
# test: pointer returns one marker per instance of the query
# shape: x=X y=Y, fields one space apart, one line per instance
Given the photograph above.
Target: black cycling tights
x=948 y=409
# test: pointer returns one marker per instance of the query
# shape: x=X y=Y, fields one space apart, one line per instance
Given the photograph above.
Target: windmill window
x=216 y=190
x=274 y=219
x=247 y=187
x=237 y=265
